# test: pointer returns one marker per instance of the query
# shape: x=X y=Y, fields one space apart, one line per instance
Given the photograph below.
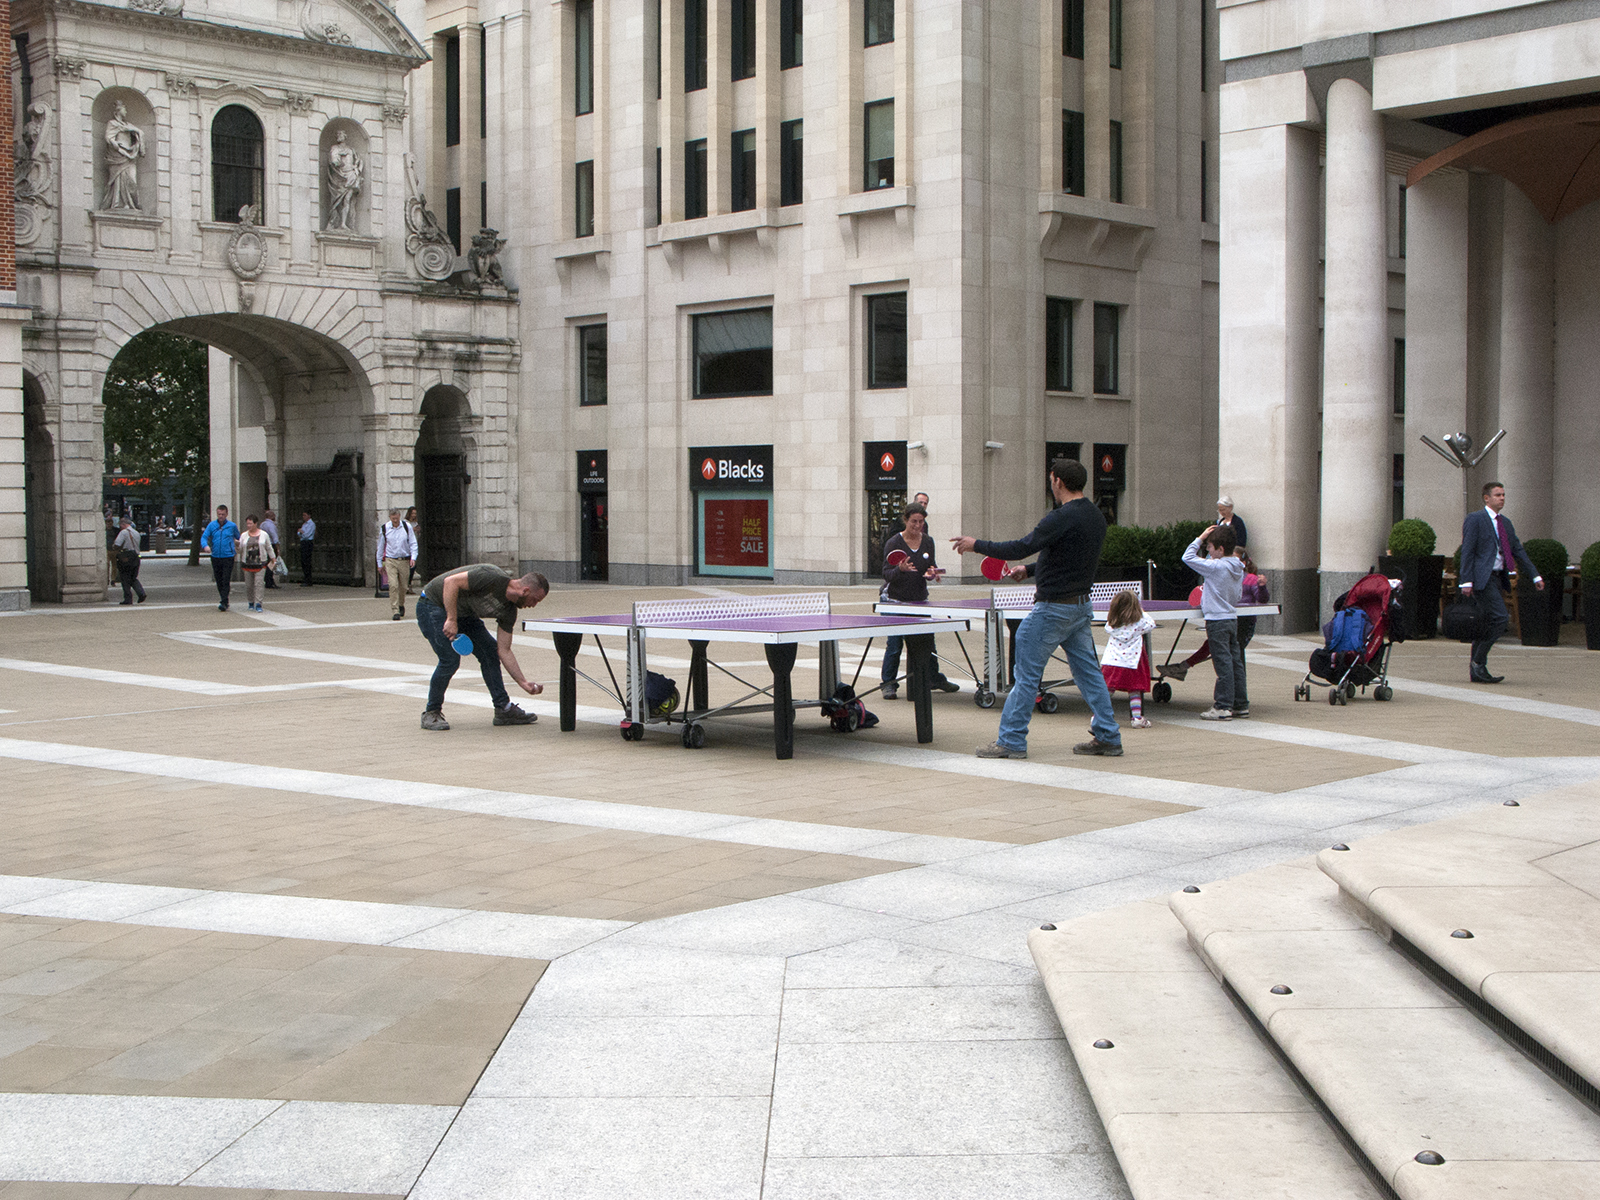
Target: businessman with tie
x=1489 y=551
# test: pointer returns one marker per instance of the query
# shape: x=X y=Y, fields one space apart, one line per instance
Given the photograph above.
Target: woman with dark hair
x=906 y=582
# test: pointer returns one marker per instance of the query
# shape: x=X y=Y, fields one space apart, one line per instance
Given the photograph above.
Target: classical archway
x=443 y=475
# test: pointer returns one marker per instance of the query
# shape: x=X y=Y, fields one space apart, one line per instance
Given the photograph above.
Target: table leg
x=699 y=690
x=993 y=654
x=919 y=678
x=1011 y=652
x=637 y=672
x=567 y=647
x=781 y=660
x=827 y=669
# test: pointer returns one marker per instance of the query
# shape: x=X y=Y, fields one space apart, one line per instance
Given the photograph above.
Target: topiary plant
x=1589 y=564
x=1549 y=556
x=1411 y=538
x=1122 y=545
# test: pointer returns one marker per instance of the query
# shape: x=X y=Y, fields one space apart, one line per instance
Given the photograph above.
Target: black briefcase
x=1466 y=620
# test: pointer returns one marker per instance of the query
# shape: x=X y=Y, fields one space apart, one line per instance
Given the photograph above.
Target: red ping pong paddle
x=993 y=569
x=895 y=557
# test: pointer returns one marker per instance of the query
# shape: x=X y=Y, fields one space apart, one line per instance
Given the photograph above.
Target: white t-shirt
x=1125 y=644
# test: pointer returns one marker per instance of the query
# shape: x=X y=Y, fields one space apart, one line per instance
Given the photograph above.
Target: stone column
x=13 y=459
x=1097 y=98
x=471 y=76
x=1437 y=309
x=1356 y=412
x=1267 y=419
x=1527 y=365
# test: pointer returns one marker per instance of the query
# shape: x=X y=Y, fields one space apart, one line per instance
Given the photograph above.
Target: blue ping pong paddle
x=462 y=643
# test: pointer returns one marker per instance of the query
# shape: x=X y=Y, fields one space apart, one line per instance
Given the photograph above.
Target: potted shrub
x=1121 y=556
x=1589 y=575
x=1412 y=561
x=1541 y=611
x=1174 y=581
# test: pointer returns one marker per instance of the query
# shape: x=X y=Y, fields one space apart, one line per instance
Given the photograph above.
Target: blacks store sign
x=730 y=468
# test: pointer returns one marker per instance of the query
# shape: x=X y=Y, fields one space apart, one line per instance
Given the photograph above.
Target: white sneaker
x=1217 y=714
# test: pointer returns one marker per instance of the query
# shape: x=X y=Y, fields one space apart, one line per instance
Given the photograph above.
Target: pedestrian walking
x=126 y=549
x=221 y=538
x=269 y=526
x=397 y=555
x=308 y=544
x=255 y=551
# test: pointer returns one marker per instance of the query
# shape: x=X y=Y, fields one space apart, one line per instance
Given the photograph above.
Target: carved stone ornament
x=181 y=85
x=166 y=8
x=35 y=174
x=298 y=101
x=394 y=115
x=484 y=258
x=70 y=68
x=247 y=249
x=431 y=250
x=247 y=296
x=323 y=31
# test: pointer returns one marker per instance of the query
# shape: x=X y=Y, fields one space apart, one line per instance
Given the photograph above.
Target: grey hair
x=1224 y=501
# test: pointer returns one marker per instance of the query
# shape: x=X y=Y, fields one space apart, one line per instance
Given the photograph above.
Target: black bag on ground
x=1465 y=620
x=660 y=694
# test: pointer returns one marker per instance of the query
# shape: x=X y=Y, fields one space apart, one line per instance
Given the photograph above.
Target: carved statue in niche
x=124 y=149
x=431 y=250
x=346 y=173
x=484 y=257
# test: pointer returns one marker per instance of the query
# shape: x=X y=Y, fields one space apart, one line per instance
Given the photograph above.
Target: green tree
x=158 y=415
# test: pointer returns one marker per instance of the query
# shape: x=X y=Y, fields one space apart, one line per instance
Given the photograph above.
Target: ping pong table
x=779 y=624
x=1004 y=608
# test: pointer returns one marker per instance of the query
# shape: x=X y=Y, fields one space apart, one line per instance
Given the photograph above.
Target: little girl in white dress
x=1125 y=663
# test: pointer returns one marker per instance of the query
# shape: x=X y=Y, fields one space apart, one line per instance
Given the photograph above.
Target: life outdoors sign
x=730 y=468
x=591 y=470
x=886 y=466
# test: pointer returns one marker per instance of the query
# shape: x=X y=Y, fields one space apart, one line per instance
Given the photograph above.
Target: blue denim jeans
x=891 y=662
x=430 y=619
x=1050 y=625
x=1227 y=657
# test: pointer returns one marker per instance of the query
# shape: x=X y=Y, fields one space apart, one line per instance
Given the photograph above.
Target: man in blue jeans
x=221 y=537
x=1068 y=545
x=457 y=603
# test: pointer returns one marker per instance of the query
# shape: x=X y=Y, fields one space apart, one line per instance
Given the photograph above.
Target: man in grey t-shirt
x=458 y=602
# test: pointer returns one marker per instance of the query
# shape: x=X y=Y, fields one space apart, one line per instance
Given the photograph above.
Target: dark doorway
x=596 y=558
x=333 y=498
x=443 y=514
x=39 y=495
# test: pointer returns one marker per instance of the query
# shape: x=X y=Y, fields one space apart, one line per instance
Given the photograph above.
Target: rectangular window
x=591 y=365
x=742 y=39
x=879 y=143
x=452 y=216
x=886 y=340
x=583 y=199
x=658 y=185
x=733 y=353
x=1205 y=180
x=1072 y=28
x=1058 y=344
x=452 y=91
x=694 y=179
x=694 y=45
x=790 y=39
x=1398 y=513
x=791 y=149
x=743 y=173
x=1116 y=162
x=583 y=46
x=1073 y=173
x=483 y=90
x=879 y=21
x=1116 y=34
x=659 y=3
x=1107 y=348
x=1399 y=377
x=1400 y=220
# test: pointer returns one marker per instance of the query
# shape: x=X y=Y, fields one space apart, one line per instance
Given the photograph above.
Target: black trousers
x=222 y=572
x=1493 y=599
x=128 y=576
x=305 y=561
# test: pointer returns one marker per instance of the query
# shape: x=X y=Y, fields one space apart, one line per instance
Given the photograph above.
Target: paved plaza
x=262 y=936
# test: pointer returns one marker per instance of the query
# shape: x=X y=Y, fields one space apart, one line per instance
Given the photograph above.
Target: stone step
x=1404 y=1067
x=1193 y=1101
x=1524 y=881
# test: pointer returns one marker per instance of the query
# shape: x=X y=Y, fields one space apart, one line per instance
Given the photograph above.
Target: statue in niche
x=484 y=257
x=346 y=173
x=124 y=149
x=34 y=172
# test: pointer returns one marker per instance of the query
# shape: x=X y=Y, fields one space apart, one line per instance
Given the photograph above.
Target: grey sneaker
x=434 y=719
x=512 y=715
x=890 y=693
x=1217 y=714
x=996 y=750
x=1242 y=710
x=1096 y=747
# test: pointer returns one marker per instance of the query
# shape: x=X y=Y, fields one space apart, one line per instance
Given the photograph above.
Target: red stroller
x=1355 y=654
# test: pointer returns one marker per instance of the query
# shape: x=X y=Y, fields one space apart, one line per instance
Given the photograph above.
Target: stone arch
x=236 y=160
x=140 y=114
x=356 y=139
x=41 y=468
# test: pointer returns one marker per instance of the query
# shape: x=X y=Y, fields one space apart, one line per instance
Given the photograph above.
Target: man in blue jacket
x=1068 y=543
x=1489 y=548
x=221 y=537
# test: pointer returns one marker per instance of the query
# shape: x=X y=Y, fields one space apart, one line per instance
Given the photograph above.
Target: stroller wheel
x=1049 y=702
x=984 y=698
x=1161 y=691
x=1383 y=692
x=1349 y=693
x=1334 y=695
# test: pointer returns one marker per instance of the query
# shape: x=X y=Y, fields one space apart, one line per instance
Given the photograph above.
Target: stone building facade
x=13 y=441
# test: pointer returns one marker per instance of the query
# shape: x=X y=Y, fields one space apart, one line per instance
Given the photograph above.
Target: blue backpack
x=1347 y=632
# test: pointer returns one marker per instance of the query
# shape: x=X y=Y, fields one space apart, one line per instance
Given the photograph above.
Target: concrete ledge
x=14 y=600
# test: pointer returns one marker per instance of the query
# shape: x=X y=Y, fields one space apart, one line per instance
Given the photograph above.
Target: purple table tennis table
x=779 y=624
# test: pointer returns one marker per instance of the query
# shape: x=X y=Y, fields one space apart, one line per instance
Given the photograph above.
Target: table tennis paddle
x=462 y=643
x=895 y=557
x=994 y=569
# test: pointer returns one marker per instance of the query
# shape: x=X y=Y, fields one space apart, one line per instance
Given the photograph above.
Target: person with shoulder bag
x=126 y=557
x=256 y=557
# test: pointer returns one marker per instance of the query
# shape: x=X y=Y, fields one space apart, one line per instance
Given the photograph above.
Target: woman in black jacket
x=907 y=583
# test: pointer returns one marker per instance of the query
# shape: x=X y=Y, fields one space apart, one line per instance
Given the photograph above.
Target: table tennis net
x=1099 y=593
x=727 y=608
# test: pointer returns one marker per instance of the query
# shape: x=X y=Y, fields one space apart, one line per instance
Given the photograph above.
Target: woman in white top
x=256 y=556
x=1125 y=663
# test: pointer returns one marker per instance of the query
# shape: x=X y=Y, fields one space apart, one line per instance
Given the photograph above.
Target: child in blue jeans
x=1222 y=588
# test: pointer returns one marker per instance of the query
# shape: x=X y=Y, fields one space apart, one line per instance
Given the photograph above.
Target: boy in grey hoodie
x=1222 y=586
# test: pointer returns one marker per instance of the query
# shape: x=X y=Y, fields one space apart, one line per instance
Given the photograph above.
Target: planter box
x=1422 y=583
x=1540 y=613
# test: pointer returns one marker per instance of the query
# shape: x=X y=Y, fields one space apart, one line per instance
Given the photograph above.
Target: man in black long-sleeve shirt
x=1068 y=545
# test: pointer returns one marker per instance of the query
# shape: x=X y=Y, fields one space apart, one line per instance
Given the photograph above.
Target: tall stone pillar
x=1356 y=409
x=1267 y=420
x=1437 y=312
x=1527 y=364
x=471 y=160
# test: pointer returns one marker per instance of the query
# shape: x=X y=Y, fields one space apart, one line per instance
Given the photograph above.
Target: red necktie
x=1505 y=544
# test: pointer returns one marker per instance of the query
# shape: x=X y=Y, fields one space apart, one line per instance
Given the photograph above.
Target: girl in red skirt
x=1126 y=662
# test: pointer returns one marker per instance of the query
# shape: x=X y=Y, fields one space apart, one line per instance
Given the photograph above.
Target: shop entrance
x=594 y=556
x=885 y=477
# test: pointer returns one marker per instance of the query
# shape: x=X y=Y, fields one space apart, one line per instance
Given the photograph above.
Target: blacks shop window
x=1058 y=344
x=879 y=143
x=733 y=353
x=886 y=340
x=744 y=170
x=791 y=161
x=583 y=46
x=591 y=365
x=879 y=16
x=237 y=157
x=1072 y=28
x=742 y=39
x=1073 y=174
x=694 y=179
x=583 y=199
x=694 y=45
x=1107 y=348
x=791 y=41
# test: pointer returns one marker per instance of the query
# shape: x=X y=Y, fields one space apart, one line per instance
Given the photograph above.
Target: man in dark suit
x=1489 y=549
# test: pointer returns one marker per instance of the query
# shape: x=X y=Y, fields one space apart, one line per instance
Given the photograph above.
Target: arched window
x=237 y=158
